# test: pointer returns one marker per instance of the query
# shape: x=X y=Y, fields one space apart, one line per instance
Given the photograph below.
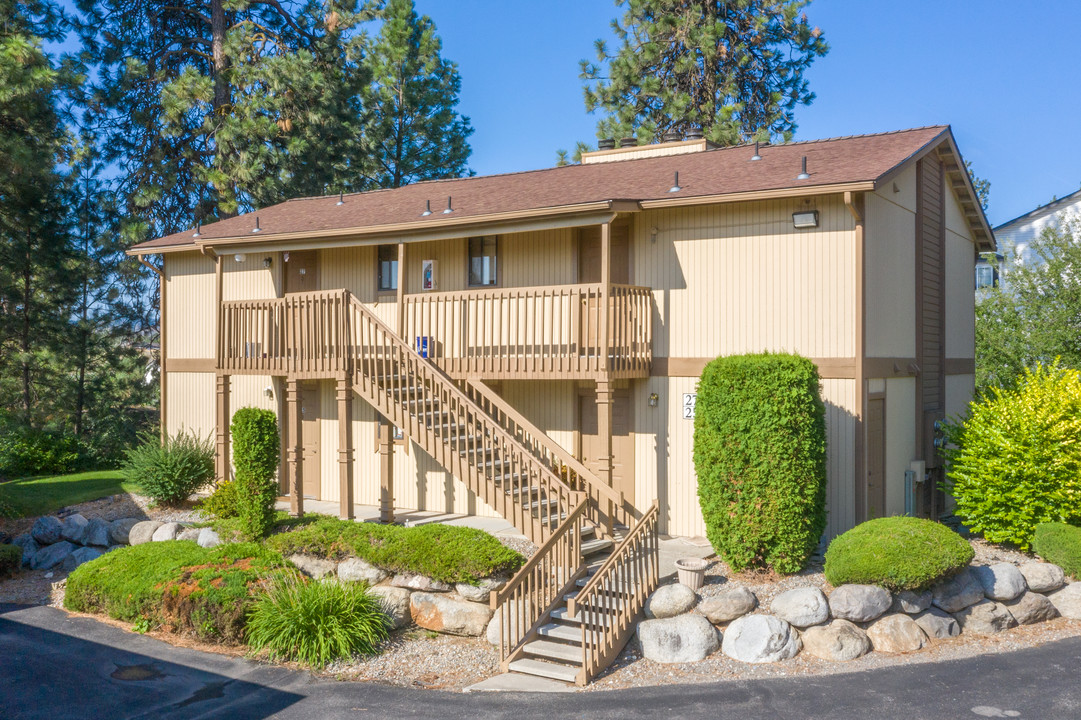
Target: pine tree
x=733 y=68
x=415 y=133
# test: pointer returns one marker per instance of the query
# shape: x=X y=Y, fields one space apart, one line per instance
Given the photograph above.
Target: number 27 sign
x=689 y=400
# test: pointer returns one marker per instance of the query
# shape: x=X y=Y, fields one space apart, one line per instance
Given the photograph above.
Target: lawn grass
x=42 y=495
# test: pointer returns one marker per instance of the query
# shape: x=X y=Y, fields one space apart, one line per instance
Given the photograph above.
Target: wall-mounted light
x=653 y=234
x=269 y=391
x=654 y=399
x=267 y=262
x=285 y=256
x=239 y=257
x=805 y=219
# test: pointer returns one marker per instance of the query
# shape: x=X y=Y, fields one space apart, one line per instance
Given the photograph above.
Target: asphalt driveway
x=53 y=667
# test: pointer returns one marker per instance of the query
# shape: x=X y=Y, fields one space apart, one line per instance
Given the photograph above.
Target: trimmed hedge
x=760 y=456
x=1016 y=462
x=444 y=552
x=256 y=447
x=1060 y=544
x=898 y=553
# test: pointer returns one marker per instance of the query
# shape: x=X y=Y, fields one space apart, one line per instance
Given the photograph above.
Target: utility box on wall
x=427 y=275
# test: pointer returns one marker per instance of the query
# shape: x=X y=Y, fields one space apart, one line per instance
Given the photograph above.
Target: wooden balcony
x=559 y=332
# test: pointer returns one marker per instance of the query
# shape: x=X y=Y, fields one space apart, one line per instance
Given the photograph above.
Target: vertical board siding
x=191 y=320
x=250 y=279
x=890 y=258
x=840 y=399
x=900 y=439
x=191 y=403
x=960 y=297
x=931 y=349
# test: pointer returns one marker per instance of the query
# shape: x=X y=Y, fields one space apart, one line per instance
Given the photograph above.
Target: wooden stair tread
x=529 y=666
x=555 y=651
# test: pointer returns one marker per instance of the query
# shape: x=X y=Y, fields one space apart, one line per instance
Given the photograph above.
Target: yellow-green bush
x=255 y=456
x=1015 y=462
x=1060 y=544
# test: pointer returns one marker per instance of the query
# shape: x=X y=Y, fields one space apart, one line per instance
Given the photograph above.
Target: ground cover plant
x=444 y=552
x=11 y=559
x=1059 y=543
x=898 y=553
x=316 y=622
x=30 y=497
x=760 y=456
x=178 y=585
x=223 y=502
x=256 y=449
x=1015 y=462
x=170 y=469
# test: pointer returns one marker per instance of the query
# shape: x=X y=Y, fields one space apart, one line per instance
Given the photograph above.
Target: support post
x=345 y=447
x=606 y=294
x=294 y=460
x=604 y=430
x=401 y=289
x=221 y=429
x=386 y=471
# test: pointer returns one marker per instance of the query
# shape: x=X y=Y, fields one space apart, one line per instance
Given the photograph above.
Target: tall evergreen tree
x=733 y=68
x=415 y=133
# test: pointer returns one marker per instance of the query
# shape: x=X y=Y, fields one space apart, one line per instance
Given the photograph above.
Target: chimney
x=626 y=142
x=606 y=144
x=671 y=136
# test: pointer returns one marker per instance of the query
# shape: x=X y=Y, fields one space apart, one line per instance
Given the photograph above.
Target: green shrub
x=898 y=553
x=25 y=452
x=170 y=470
x=447 y=553
x=11 y=559
x=760 y=456
x=223 y=503
x=256 y=448
x=1016 y=461
x=178 y=585
x=316 y=622
x=1059 y=543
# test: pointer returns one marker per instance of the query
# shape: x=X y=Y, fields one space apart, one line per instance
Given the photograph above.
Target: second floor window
x=387 y=272
x=482 y=261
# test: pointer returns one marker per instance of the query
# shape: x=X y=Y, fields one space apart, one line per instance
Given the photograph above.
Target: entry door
x=622 y=439
x=302 y=271
x=309 y=418
x=876 y=458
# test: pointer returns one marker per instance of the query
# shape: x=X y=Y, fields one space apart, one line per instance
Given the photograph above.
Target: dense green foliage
x=26 y=451
x=1034 y=314
x=178 y=585
x=169 y=470
x=898 y=553
x=1059 y=543
x=316 y=622
x=760 y=457
x=30 y=497
x=1015 y=462
x=256 y=447
x=734 y=68
x=444 y=552
x=223 y=503
x=11 y=559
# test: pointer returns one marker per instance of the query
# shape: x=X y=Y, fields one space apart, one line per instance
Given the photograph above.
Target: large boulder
x=29 y=545
x=167 y=531
x=395 y=603
x=482 y=590
x=312 y=566
x=1031 y=608
x=143 y=532
x=119 y=530
x=96 y=533
x=986 y=617
x=357 y=570
x=728 y=605
x=839 y=641
x=896 y=634
x=957 y=592
x=1001 y=581
x=801 y=607
x=671 y=600
x=412 y=581
x=937 y=624
x=208 y=538
x=495 y=625
x=1043 y=577
x=911 y=601
x=80 y=556
x=72 y=528
x=679 y=639
x=1068 y=601
x=189 y=533
x=46 y=530
x=760 y=639
x=860 y=603
x=50 y=556
x=447 y=615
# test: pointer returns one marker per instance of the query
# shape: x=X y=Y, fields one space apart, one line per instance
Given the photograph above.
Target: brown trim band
x=193 y=365
x=890 y=367
x=828 y=368
x=959 y=366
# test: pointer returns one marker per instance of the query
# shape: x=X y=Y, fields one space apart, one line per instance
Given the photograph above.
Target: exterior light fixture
x=269 y=391
x=267 y=262
x=239 y=257
x=805 y=219
x=803 y=172
x=285 y=256
x=675 y=184
x=654 y=399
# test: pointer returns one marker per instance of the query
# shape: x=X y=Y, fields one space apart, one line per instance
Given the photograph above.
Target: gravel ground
x=417 y=658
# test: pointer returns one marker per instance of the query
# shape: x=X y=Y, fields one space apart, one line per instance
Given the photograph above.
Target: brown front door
x=876 y=458
x=622 y=439
x=302 y=271
x=309 y=418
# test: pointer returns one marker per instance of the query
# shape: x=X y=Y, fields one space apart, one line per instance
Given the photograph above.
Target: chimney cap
x=630 y=141
x=606 y=144
x=695 y=134
x=672 y=136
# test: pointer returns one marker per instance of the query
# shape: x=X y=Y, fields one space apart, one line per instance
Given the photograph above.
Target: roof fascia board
x=897 y=169
x=758 y=195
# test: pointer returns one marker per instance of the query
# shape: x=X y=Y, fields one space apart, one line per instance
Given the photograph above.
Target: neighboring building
x=1021 y=231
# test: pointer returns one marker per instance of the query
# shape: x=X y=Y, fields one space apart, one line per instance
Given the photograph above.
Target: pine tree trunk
x=24 y=341
x=222 y=93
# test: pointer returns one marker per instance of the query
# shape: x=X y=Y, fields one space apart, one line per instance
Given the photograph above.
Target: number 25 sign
x=689 y=400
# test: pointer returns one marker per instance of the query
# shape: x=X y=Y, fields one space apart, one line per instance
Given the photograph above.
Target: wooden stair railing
x=413 y=394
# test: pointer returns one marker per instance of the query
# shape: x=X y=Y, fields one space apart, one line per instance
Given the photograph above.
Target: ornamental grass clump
x=897 y=553
x=315 y=622
x=170 y=469
x=1015 y=462
x=256 y=447
x=760 y=456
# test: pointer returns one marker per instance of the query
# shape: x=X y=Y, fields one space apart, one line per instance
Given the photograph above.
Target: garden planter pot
x=692 y=572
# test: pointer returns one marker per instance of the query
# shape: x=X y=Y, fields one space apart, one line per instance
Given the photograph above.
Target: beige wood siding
x=190 y=323
x=250 y=279
x=840 y=399
x=960 y=296
x=900 y=439
x=959 y=391
x=191 y=403
x=890 y=260
x=739 y=278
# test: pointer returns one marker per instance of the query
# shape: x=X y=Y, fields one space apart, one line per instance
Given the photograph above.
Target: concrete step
x=560 y=632
x=555 y=651
x=602 y=601
x=621 y=586
x=592 y=547
x=540 y=668
x=561 y=615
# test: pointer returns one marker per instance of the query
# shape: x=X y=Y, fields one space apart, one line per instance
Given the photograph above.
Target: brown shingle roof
x=722 y=171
